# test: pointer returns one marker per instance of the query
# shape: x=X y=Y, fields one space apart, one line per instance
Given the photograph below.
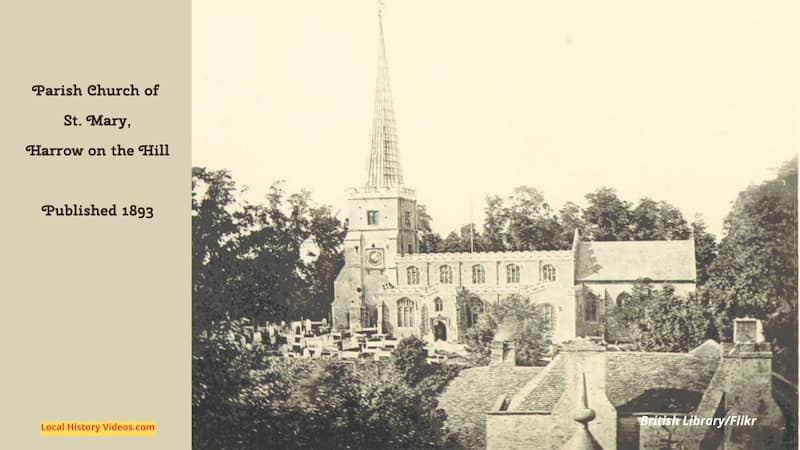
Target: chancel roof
x=632 y=260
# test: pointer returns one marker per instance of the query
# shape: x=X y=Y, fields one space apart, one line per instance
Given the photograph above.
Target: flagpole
x=471 y=227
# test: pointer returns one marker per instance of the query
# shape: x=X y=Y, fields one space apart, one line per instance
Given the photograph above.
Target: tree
x=532 y=225
x=322 y=264
x=494 y=224
x=608 y=217
x=429 y=242
x=524 y=221
x=465 y=240
x=237 y=393
x=453 y=243
x=268 y=261
x=571 y=218
x=410 y=358
x=656 y=221
x=705 y=250
x=518 y=320
x=659 y=320
x=214 y=225
x=755 y=273
x=243 y=399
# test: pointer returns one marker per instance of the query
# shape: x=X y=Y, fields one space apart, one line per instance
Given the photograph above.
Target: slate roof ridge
x=531 y=385
x=649 y=241
x=548 y=391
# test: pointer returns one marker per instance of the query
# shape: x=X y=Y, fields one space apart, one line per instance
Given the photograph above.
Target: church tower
x=382 y=222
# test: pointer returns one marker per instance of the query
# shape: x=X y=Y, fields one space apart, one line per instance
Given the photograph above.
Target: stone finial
x=582 y=439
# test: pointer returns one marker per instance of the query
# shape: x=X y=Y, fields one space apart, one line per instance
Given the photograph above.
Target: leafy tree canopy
x=525 y=220
x=241 y=398
x=755 y=273
x=270 y=261
x=519 y=320
x=659 y=320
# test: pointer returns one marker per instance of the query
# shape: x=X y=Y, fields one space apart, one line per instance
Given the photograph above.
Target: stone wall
x=524 y=431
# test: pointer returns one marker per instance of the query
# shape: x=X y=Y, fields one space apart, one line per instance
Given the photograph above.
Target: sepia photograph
x=463 y=224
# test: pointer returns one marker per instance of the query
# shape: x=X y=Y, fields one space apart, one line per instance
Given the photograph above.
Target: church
x=387 y=284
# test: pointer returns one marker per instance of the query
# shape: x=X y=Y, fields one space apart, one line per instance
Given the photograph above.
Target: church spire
x=384 y=157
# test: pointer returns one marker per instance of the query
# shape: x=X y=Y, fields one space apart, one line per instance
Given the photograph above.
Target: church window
x=590 y=310
x=548 y=316
x=405 y=313
x=478 y=274
x=512 y=273
x=445 y=275
x=372 y=217
x=623 y=299
x=438 y=304
x=474 y=311
x=365 y=317
x=407 y=216
x=412 y=275
x=549 y=273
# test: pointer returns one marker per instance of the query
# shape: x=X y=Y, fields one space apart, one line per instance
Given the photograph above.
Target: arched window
x=548 y=316
x=590 y=310
x=438 y=304
x=474 y=311
x=445 y=275
x=478 y=274
x=623 y=299
x=548 y=273
x=512 y=273
x=366 y=319
x=405 y=313
x=412 y=275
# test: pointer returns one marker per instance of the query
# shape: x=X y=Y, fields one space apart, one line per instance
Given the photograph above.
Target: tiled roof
x=473 y=392
x=659 y=382
x=631 y=260
x=548 y=390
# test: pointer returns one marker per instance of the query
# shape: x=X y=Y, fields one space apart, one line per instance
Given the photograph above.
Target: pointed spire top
x=384 y=157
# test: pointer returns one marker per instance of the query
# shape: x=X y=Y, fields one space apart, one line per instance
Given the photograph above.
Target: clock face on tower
x=374 y=258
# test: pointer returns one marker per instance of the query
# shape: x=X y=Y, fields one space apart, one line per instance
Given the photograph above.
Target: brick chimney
x=502 y=353
x=502 y=347
x=747 y=370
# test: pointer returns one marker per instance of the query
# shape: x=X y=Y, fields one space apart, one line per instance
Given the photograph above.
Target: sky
x=683 y=101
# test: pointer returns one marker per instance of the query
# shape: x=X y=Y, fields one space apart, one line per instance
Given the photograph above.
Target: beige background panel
x=95 y=311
